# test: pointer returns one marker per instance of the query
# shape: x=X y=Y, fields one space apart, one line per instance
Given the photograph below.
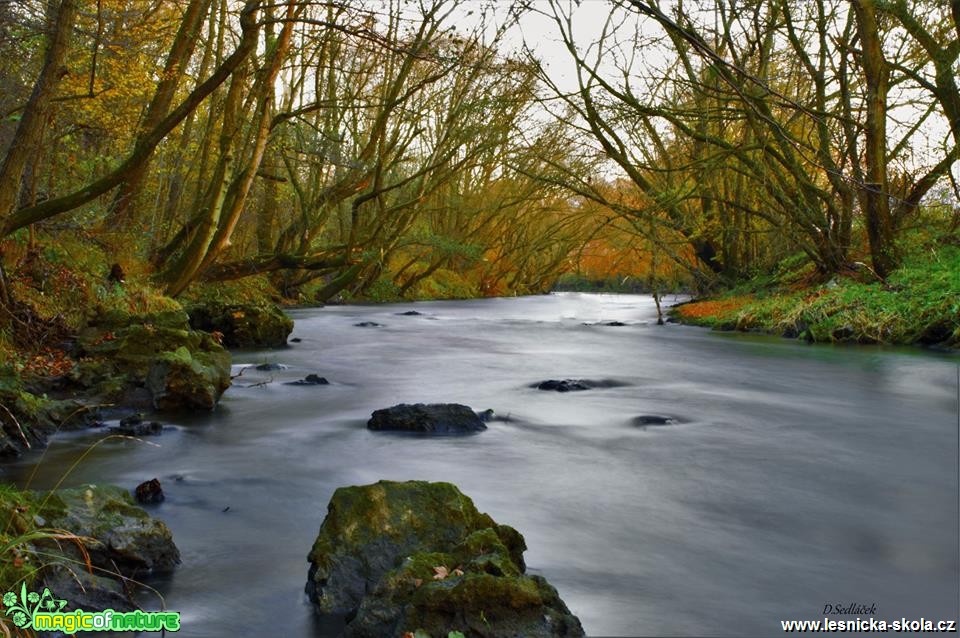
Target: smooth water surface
x=796 y=475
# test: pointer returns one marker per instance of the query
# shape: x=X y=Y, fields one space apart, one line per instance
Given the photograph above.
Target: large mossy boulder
x=156 y=357
x=432 y=418
x=393 y=558
x=242 y=325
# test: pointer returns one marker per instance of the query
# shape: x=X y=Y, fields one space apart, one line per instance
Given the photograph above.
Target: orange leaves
x=49 y=362
x=700 y=309
x=106 y=336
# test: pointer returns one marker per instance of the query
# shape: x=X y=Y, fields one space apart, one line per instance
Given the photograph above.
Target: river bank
x=919 y=304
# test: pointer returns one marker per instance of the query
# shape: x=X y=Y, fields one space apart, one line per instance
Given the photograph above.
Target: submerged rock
x=392 y=558
x=562 y=385
x=150 y=492
x=242 y=325
x=653 y=419
x=270 y=367
x=409 y=313
x=134 y=425
x=575 y=385
x=367 y=324
x=310 y=379
x=433 y=418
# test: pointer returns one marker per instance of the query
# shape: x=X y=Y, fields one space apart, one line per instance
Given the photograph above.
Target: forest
x=315 y=152
x=176 y=174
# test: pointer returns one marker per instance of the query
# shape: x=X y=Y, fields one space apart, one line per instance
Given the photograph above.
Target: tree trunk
x=26 y=140
x=874 y=199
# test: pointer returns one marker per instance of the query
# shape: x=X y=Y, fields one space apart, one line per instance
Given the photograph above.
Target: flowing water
x=795 y=476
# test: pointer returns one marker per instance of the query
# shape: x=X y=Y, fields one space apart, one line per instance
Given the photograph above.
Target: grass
x=919 y=303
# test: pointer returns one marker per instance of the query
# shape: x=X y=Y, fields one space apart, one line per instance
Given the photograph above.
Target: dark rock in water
x=563 y=385
x=653 y=419
x=134 y=425
x=242 y=325
x=393 y=558
x=296 y=340
x=310 y=379
x=270 y=367
x=150 y=492
x=434 y=418
x=367 y=324
x=575 y=385
x=614 y=323
x=410 y=313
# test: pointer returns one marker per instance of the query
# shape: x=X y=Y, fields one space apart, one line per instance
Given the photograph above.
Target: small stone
x=150 y=492
x=134 y=425
x=367 y=324
x=310 y=379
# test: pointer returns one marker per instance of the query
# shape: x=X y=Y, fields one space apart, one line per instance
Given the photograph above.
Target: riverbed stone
x=398 y=557
x=310 y=379
x=135 y=425
x=242 y=325
x=150 y=492
x=432 y=418
x=576 y=385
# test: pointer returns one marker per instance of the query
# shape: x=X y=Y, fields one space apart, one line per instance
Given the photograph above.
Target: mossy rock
x=181 y=379
x=242 y=325
x=29 y=419
x=393 y=558
x=117 y=533
x=182 y=368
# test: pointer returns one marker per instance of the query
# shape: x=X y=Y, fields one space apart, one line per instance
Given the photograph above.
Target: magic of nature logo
x=44 y=612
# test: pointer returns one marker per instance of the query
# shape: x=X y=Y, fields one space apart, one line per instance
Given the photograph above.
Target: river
x=795 y=476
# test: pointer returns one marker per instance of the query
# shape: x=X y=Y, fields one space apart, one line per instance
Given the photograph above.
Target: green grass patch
x=919 y=303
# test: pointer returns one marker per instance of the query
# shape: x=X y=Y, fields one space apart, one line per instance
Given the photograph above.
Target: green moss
x=919 y=303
